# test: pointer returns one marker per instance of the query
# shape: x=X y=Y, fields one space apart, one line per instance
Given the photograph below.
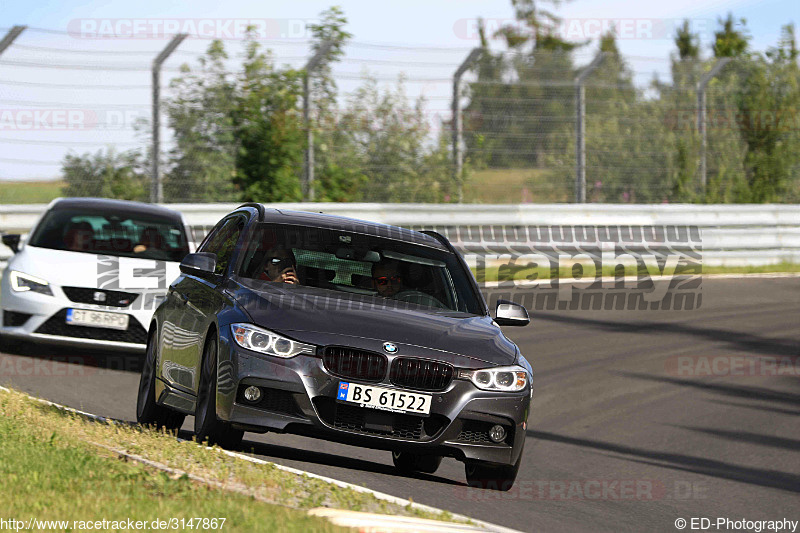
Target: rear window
x=106 y=233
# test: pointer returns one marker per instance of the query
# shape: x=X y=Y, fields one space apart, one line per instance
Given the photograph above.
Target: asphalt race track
x=636 y=419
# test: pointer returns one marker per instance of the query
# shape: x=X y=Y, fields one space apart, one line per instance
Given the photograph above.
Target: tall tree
x=729 y=41
x=339 y=176
x=202 y=164
x=517 y=104
x=106 y=174
x=768 y=98
x=687 y=43
x=268 y=127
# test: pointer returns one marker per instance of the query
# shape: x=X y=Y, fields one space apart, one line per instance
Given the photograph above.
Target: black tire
x=411 y=462
x=491 y=477
x=148 y=412
x=207 y=428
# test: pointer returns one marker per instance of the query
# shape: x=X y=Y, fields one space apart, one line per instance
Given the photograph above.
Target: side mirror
x=12 y=241
x=201 y=264
x=511 y=314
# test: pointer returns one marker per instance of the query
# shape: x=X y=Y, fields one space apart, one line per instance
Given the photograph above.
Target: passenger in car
x=386 y=278
x=150 y=238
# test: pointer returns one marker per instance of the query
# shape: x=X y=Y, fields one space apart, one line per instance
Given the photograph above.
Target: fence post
x=580 y=128
x=701 y=115
x=10 y=37
x=156 y=188
x=458 y=153
x=311 y=66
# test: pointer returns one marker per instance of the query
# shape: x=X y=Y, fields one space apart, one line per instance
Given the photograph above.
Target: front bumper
x=300 y=398
x=42 y=318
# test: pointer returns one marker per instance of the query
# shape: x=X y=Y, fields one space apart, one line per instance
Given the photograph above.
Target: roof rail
x=257 y=206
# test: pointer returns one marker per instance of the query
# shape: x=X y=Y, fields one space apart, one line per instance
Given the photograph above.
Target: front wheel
x=410 y=462
x=207 y=427
x=487 y=476
x=148 y=412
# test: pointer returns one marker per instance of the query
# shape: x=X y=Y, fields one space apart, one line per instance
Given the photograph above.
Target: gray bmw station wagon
x=340 y=329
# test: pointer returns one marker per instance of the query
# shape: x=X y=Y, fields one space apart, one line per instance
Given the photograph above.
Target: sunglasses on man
x=385 y=280
x=280 y=262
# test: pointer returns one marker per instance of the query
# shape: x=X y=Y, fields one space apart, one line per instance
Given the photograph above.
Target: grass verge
x=55 y=465
x=515 y=185
x=29 y=192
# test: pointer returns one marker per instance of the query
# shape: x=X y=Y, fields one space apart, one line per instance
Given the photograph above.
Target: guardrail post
x=311 y=66
x=156 y=188
x=10 y=37
x=580 y=128
x=701 y=115
x=456 y=124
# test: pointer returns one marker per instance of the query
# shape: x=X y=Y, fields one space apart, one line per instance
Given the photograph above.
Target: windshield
x=355 y=263
x=112 y=233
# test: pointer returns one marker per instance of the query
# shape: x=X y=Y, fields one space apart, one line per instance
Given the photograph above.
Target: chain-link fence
x=388 y=123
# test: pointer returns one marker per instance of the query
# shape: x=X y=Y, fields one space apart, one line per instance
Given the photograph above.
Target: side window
x=223 y=242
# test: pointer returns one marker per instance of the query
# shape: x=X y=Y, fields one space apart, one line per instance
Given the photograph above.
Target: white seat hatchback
x=92 y=272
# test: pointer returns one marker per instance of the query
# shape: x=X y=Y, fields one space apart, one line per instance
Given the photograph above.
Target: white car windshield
x=114 y=233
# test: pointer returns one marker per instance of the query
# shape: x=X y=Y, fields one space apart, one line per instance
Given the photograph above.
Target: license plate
x=384 y=399
x=98 y=319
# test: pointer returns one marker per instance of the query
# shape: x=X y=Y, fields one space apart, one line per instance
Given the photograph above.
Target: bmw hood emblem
x=389 y=347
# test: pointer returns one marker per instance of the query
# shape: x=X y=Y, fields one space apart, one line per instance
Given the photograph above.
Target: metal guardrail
x=731 y=235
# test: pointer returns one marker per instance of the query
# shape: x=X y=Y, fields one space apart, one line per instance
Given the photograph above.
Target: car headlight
x=21 y=282
x=506 y=378
x=268 y=342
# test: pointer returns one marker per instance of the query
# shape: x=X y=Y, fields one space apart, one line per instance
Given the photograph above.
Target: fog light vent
x=252 y=394
x=497 y=433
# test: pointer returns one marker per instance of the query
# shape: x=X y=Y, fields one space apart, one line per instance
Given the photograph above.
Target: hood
x=77 y=269
x=324 y=317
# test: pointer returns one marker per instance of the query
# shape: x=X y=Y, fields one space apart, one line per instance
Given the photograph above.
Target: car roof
x=337 y=222
x=127 y=206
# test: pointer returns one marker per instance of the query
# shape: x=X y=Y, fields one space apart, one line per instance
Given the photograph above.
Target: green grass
x=513 y=186
x=490 y=186
x=763 y=269
x=54 y=465
x=29 y=192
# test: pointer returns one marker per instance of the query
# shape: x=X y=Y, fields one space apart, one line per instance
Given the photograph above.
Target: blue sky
x=428 y=22
x=647 y=28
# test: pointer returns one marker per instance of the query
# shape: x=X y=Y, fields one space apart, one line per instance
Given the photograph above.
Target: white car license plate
x=98 y=319
x=384 y=399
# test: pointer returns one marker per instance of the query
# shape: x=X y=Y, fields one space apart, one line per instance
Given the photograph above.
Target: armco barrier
x=731 y=234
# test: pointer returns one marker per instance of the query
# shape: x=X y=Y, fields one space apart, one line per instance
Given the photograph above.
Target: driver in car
x=388 y=282
x=280 y=266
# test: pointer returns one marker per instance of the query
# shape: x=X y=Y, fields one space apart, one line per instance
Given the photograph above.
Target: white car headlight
x=506 y=378
x=268 y=342
x=21 y=282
